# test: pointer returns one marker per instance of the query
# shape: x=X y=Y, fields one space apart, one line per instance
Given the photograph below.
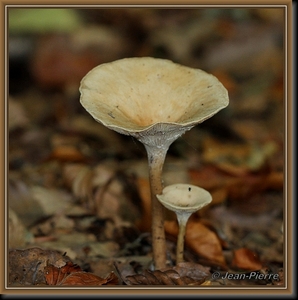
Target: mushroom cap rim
x=169 y=126
x=180 y=209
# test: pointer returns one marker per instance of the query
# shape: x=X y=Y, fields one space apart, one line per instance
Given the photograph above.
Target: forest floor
x=78 y=192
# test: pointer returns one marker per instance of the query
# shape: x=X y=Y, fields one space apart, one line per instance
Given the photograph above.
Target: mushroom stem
x=182 y=221
x=156 y=158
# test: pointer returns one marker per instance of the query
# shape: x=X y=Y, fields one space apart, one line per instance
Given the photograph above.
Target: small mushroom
x=183 y=199
x=155 y=101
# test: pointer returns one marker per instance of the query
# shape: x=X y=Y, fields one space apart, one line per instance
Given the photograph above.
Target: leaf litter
x=79 y=203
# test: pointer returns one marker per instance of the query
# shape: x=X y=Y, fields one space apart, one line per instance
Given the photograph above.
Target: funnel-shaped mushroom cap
x=148 y=96
x=182 y=197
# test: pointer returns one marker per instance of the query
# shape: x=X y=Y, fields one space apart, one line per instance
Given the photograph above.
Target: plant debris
x=79 y=209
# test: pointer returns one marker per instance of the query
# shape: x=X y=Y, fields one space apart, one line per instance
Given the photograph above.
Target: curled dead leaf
x=89 y=279
x=224 y=185
x=246 y=259
x=238 y=159
x=67 y=153
x=105 y=190
x=200 y=239
x=71 y=274
x=78 y=178
x=184 y=274
x=26 y=267
x=54 y=275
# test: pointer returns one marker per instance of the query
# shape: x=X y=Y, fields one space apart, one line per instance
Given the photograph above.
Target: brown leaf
x=17 y=115
x=104 y=190
x=18 y=234
x=54 y=275
x=200 y=239
x=254 y=184
x=226 y=79
x=72 y=274
x=280 y=280
x=165 y=277
x=79 y=178
x=235 y=158
x=183 y=274
x=219 y=196
x=229 y=157
x=246 y=259
x=89 y=279
x=244 y=186
x=56 y=64
x=26 y=267
x=211 y=178
x=67 y=153
x=144 y=189
x=195 y=271
x=176 y=279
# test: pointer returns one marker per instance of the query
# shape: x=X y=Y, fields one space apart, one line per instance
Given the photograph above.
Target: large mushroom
x=155 y=101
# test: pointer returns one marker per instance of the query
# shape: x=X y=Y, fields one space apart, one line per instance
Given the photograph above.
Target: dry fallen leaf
x=226 y=80
x=193 y=270
x=237 y=158
x=56 y=64
x=105 y=190
x=200 y=239
x=183 y=274
x=210 y=177
x=18 y=234
x=144 y=224
x=280 y=281
x=67 y=153
x=246 y=259
x=89 y=279
x=71 y=274
x=26 y=266
x=224 y=185
x=55 y=275
x=78 y=178
x=17 y=115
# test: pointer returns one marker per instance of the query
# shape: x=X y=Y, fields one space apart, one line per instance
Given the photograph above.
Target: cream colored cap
x=132 y=95
x=182 y=197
